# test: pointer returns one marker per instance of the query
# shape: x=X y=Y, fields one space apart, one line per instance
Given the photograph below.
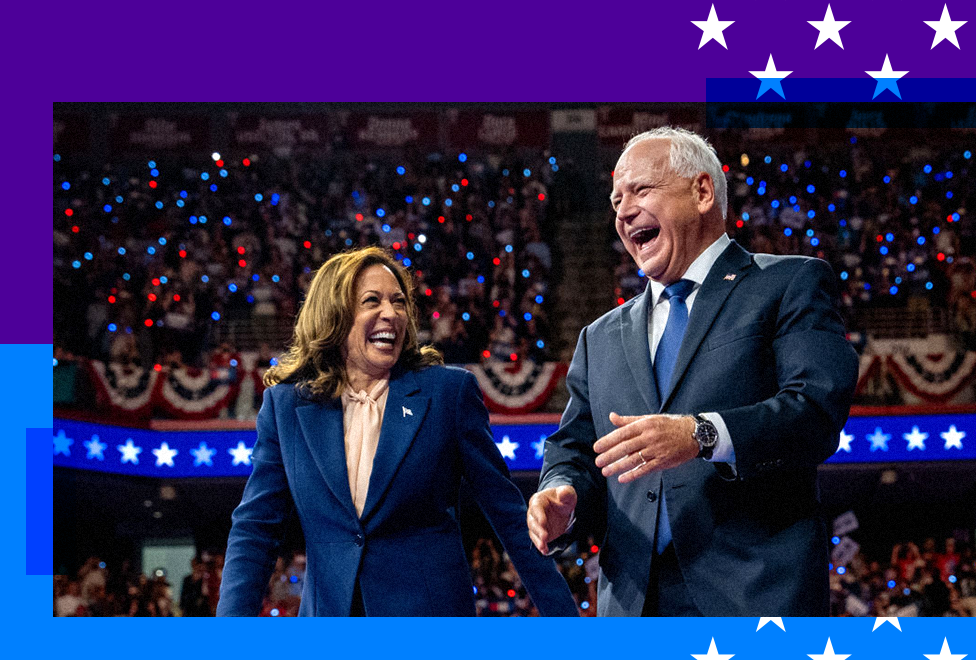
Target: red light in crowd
x=469 y=217
x=464 y=182
x=396 y=246
x=113 y=290
x=940 y=256
x=182 y=254
x=440 y=219
x=240 y=249
x=437 y=315
x=411 y=236
x=496 y=261
x=972 y=294
x=75 y=229
x=242 y=263
x=513 y=357
x=542 y=197
x=246 y=162
x=511 y=592
x=152 y=184
x=158 y=367
x=176 y=297
x=879 y=238
x=111 y=300
x=427 y=292
x=725 y=168
x=620 y=301
x=148 y=323
x=69 y=212
x=155 y=281
x=739 y=224
x=949 y=217
x=307 y=244
x=359 y=217
x=611 y=173
x=486 y=354
x=220 y=163
x=594 y=549
x=495 y=304
x=152 y=297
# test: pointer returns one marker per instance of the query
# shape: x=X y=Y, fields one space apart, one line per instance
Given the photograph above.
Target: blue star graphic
x=202 y=455
x=164 y=455
x=540 y=447
x=879 y=440
x=95 y=448
x=61 y=443
x=507 y=448
x=241 y=454
x=130 y=453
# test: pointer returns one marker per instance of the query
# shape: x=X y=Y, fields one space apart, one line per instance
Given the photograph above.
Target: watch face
x=706 y=433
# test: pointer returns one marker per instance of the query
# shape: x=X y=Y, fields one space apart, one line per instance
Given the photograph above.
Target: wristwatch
x=706 y=435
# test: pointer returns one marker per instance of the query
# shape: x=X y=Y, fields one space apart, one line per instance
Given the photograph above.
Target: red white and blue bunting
x=926 y=372
x=517 y=388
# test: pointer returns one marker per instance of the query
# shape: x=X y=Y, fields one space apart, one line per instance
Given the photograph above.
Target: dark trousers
x=667 y=594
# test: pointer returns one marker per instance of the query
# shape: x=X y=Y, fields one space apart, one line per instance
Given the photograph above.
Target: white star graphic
x=887 y=79
x=953 y=438
x=881 y=620
x=829 y=29
x=164 y=455
x=130 y=453
x=879 y=440
x=95 y=448
x=775 y=620
x=845 y=442
x=202 y=455
x=61 y=443
x=540 y=447
x=712 y=654
x=507 y=447
x=945 y=653
x=828 y=653
x=945 y=28
x=241 y=454
x=712 y=29
x=770 y=78
x=916 y=439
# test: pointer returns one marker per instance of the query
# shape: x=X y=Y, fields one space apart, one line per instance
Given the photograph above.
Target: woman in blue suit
x=367 y=436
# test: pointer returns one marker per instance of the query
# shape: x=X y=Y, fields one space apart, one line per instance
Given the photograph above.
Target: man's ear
x=703 y=188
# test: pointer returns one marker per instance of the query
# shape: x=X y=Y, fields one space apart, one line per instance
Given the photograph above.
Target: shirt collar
x=698 y=270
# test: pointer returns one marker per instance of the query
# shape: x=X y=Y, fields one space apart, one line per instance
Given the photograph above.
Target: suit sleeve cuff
x=724 y=451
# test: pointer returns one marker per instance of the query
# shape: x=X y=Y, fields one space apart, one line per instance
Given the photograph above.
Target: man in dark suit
x=699 y=463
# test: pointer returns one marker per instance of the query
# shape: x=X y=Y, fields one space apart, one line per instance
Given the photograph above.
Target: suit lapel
x=633 y=335
x=726 y=273
x=322 y=425
x=406 y=406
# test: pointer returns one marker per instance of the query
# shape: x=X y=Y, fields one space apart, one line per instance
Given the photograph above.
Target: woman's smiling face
x=376 y=338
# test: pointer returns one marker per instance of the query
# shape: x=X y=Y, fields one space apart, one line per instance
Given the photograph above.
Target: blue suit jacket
x=406 y=549
x=766 y=349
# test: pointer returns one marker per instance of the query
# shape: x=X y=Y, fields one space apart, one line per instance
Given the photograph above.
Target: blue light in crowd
x=258 y=197
x=540 y=344
x=867 y=286
x=250 y=299
x=897 y=280
x=906 y=591
x=163 y=279
x=112 y=327
x=811 y=189
x=787 y=232
x=952 y=579
x=154 y=172
x=835 y=540
x=121 y=250
x=66 y=186
x=401 y=170
x=841 y=570
x=910 y=268
x=275 y=279
x=386 y=229
x=107 y=208
x=425 y=201
x=152 y=164
x=579 y=562
x=811 y=214
x=792 y=199
x=749 y=181
x=179 y=203
x=465 y=316
x=948 y=194
x=505 y=172
x=831 y=208
x=407 y=262
x=814 y=242
x=151 y=250
x=842 y=223
x=348 y=242
x=470 y=256
x=126 y=276
x=935 y=230
x=883 y=249
x=640 y=272
x=853 y=139
x=274 y=612
x=555 y=168
x=275 y=197
x=585 y=605
x=761 y=191
x=967 y=154
x=843 y=174
x=227 y=220
x=844 y=275
x=525 y=272
x=418 y=247
x=215 y=316
x=491 y=204
x=106 y=181
x=223 y=173
x=891 y=584
x=526 y=172
x=408 y=199
x=448 y=202
x=89 y=256
x=809 y=232
x=921 y=240
x=893 y=290
x=204 y=176
x=948 y=175
x=462 y=157
x=745 y=216
x=76 y=264
x=455 y=187
x=232 y=287
x=501 y=312
x=928 y=286
x=775 y=204
x=783 y=167
x=913 y=200
x=380 y=213
x=481 y=279
x=796 y=208
x=57 y=158
x=162 y=240
x=255 y=277
x=527 y=316
x=159 y=205
x=887 y=179
x=955 y=217
x=213 y=187
x=889 y=237
x=539 y=299
x=927 y=169
x=807 y=164
x=768 y=160
x=475 y=588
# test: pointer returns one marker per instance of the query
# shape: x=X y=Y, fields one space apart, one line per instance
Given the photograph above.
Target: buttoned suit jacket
x=765 y=348
x=405 y=550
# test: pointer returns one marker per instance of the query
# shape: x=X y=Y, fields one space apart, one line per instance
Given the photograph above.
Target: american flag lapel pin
x=730 y=277
x=407 y=411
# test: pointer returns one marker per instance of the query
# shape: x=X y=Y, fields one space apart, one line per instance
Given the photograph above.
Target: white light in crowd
x=215 y=156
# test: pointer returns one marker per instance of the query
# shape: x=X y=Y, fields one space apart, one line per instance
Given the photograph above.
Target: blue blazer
x=405 y=550
x=764 y=348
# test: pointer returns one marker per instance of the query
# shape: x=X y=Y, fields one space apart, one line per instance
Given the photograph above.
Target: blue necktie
x=664 y=359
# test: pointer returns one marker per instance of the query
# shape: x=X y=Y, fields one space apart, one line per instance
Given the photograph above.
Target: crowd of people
x=152 y=258
x=891 y=218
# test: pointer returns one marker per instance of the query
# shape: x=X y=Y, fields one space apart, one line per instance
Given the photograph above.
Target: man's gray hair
x=690 y=154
